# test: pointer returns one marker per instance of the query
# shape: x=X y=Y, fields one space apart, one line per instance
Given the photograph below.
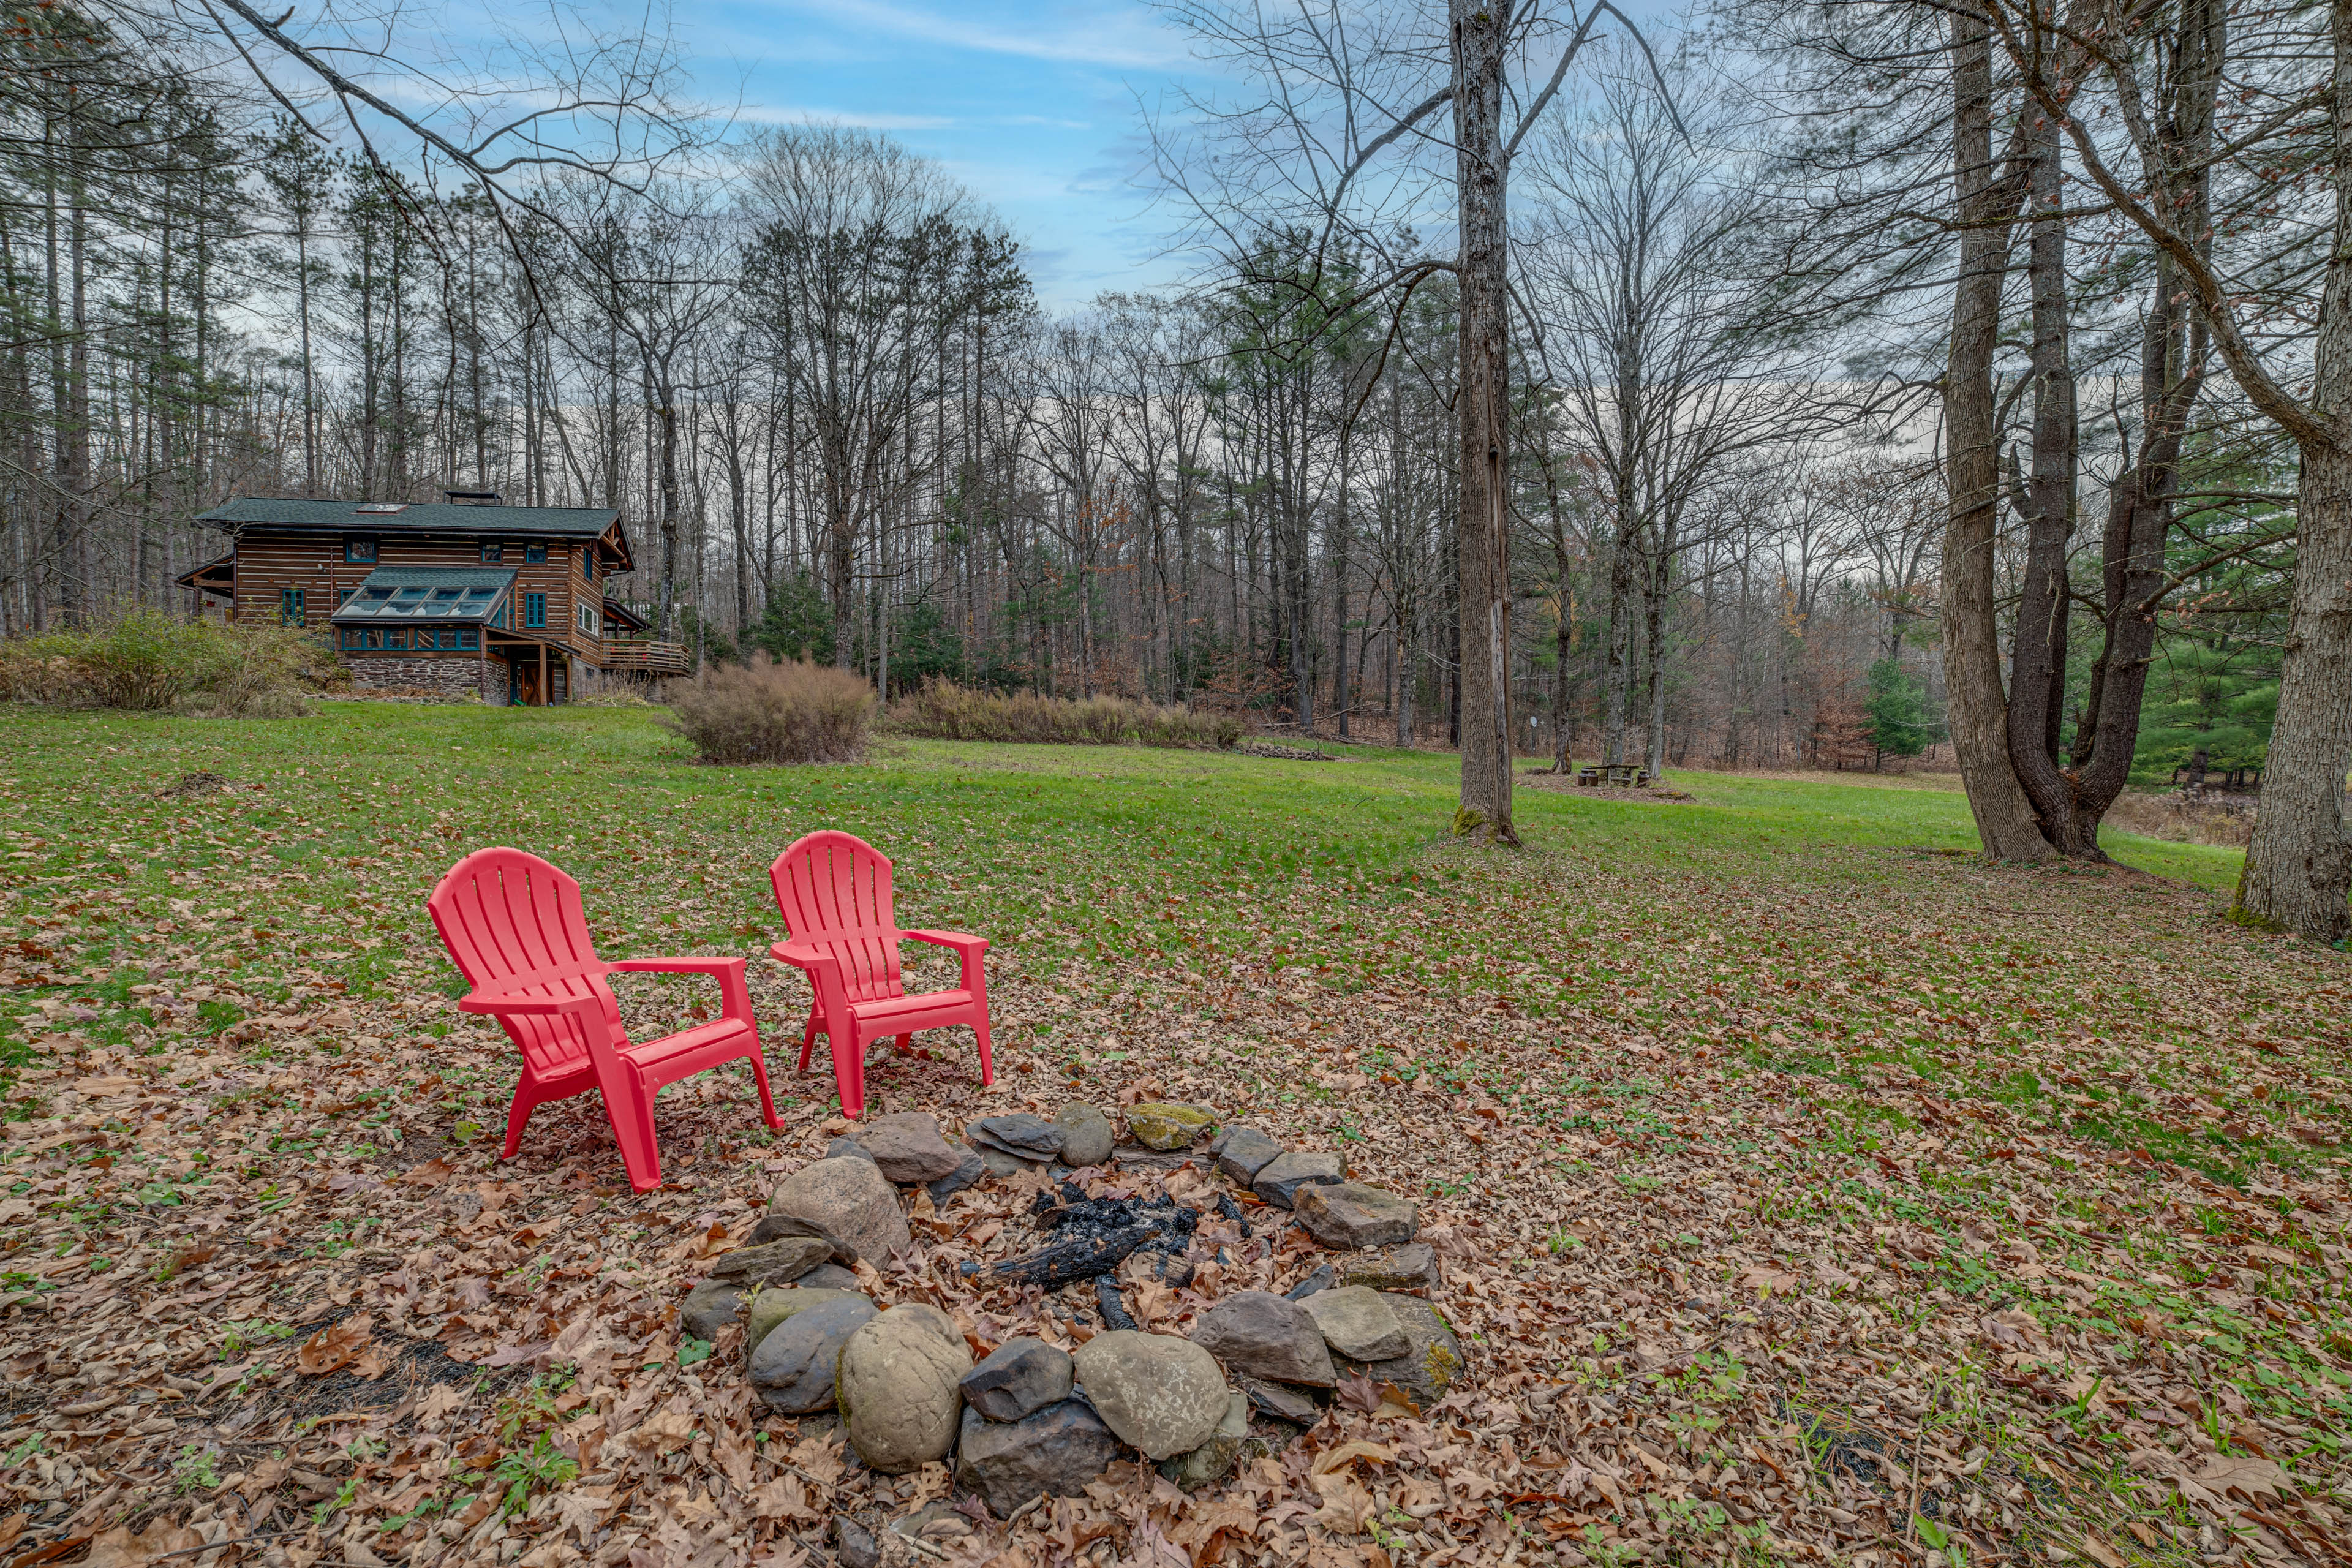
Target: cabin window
x=499 y=619
x=534 y=553
x=588 y=564
x=493 y=554
x=397 y=639
x=354 y=637
x=361 y=551
x=289 y=607
x=534 y=609
x=588 y=619
x=469 y=636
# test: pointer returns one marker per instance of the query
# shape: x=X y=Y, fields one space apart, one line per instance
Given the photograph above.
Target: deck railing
x=643 y=654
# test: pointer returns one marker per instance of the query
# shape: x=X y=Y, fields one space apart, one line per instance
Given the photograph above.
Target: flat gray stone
x=792 y=1369
x=1029 y=1137
x=1019 y=1378
x=847 y=1147
x=1162 y=1394
x=1347 y=1216
x=1431 y=1365
x=1051 y=1452
x=1087 y=1136
x=711 y=1306
x=1259 y=1333
x=1357 y=1322
x=997 y=1162
x=770 y=1307
x=969 y=1168
x=851 y=1200
x=1244 y=1151
x=1321 y=1280
x=906 y=1145
x=1286 y=1404
x=896 y=1388
x=829 y=1276
x=1284 y=1174
x=1213 y=1460
x=776 y=1226
x=1169 y=1124
x=1413 y=1268
x=778 y=1262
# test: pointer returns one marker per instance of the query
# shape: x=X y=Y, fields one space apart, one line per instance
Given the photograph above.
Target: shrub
x=943 y=711
x=149 y=659
x=770 y=712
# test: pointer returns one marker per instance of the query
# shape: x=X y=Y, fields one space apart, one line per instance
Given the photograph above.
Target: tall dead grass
x=945 y=711
x=2171 y=816
x=767 y=711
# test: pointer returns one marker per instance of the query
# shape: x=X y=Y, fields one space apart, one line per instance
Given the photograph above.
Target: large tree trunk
x=1979 y=709
x=2298 y=868
x=1482 y=407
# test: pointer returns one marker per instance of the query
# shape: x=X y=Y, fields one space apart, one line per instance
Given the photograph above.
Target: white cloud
x=1125 y=37
x=870 y=120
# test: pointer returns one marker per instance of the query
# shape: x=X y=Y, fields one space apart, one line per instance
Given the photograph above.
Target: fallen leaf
x=1346 y=1506
x=2249 y=1477
x=118 y=1548
x=335 y=1346
x=1768 y=1277
x=1347 y=1454
x=665 y=1432
x=431 y=1173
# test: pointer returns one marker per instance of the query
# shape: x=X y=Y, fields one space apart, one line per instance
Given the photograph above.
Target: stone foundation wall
x=469 y=675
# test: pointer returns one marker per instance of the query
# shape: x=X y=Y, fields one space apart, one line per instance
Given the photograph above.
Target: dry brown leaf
x=1770 y=1278
x=2250 y=1477
x=336 y=1346
x=11 y=1528
x=1347 y=1454
x=1346 y=1506
x=431 y=1173
x=666 y=1432
x=118 y=1548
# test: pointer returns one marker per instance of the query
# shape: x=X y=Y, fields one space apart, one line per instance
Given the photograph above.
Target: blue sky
x=1030 y=104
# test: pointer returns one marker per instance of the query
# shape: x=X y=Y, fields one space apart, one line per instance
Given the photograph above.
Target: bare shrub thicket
x=2171 y=816
x=767 y=711
x=148 y=660
x=943 y=711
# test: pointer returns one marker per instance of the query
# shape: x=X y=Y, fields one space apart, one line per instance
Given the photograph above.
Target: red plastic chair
x=513 y=924
x=834 y=890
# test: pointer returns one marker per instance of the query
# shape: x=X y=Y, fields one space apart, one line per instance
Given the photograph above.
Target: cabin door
x=526 y=683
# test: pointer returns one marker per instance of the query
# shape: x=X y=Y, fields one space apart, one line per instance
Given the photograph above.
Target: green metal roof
x=270 y=513
x=401 y=595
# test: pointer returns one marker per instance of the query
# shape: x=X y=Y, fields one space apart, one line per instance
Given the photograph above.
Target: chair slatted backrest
x=833 y=889
x=512 y=921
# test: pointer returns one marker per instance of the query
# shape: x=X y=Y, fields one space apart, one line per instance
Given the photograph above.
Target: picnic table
x=1617 y=775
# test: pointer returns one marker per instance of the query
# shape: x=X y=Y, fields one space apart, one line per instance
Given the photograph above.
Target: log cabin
x=468 y=595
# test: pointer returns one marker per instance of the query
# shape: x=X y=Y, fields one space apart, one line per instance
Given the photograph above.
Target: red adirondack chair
x=834 y=890
x=514 y=926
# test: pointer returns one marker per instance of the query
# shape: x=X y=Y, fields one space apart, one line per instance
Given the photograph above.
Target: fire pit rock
x=1019 y=1378
x=1432 y=1360
x=1261 y=1335
x=1086 y=1134
x=896 y=1388
x=1347 y=1216
x=1244 y=1151
x=1358 y=1323
x=1051 y=1452
x=851 y=1199
x=1023 y=1136
x=1169 y=1124
x=793 y=1364
x=1162 y=1394
x=908 y=1148
x=711 y=1306
x=1411 y=1268
x=1213 y=1460
x=1281 y=1178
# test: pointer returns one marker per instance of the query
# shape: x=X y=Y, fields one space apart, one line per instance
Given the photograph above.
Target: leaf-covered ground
x=1806 y=1192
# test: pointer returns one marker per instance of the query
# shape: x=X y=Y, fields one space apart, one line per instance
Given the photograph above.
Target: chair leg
x=906 y=1045
x=767 y=1102
x=808 y=1039
x=980 y=1031
x=519 y=1116
x=849 y=1070
x=633 y=1129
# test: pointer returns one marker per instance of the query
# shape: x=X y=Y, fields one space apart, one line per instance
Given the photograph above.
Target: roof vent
x=382 y=508
x=489 y=497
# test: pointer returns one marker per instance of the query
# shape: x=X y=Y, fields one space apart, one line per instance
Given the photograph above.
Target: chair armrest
x=969 y=948
x=823 y=971
x=734 y=994
x=516 y=1002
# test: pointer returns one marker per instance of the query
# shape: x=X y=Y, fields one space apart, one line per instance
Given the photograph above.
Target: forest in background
x=814 y=375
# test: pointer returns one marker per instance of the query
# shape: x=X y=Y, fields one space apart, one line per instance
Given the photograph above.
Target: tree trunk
x=1482 y=407
x=1979 y=710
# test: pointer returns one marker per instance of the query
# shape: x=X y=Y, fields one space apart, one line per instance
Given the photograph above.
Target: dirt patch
x=194 y=784
x=1565 y=784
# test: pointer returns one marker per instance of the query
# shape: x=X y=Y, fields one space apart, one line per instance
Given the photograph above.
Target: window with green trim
x=534 y=609
x=361 y=551
x=289 y=607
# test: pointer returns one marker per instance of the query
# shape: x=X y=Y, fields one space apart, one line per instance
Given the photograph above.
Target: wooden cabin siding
x=268 y=563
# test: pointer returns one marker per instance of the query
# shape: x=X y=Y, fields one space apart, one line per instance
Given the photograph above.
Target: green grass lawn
x=1789 y=1030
